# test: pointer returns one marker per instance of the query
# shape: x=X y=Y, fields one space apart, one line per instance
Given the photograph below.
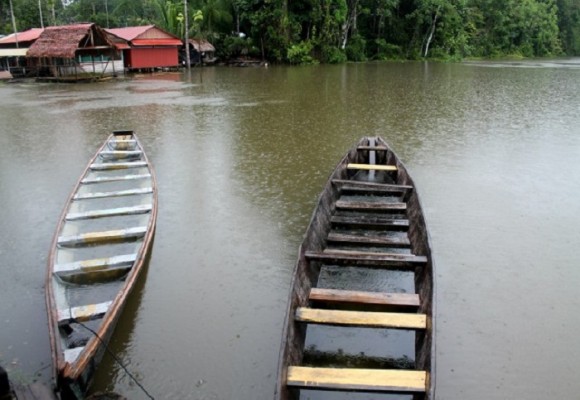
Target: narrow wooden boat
x=97 y=254
x=368 y=223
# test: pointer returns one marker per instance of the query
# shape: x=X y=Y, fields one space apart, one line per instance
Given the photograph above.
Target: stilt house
x=73 y=52
x=13 y=49
x=147 y=47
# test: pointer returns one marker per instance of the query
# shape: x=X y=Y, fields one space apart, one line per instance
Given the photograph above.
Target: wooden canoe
x=369 y=220
x=98 y=251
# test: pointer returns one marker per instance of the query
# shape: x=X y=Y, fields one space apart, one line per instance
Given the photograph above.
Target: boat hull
x=374 y=151
x=97 y=257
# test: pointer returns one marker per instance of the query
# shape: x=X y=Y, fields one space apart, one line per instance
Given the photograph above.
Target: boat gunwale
x=65 y=372
x=282 y=392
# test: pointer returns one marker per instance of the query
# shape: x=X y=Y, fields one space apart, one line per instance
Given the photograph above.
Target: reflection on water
x=241 y=156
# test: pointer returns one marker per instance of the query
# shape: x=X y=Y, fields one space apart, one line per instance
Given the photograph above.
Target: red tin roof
x=26 y=36
x=131 y=32
x=148 y=35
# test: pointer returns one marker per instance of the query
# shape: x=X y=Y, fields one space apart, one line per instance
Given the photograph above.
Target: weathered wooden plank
x=83 y=313
x=358 y=257
x=119 y=193
x=371 y=184
x=112 y=212
x=104 y=179
x=360 y=297
x=118 y=154
x=122 y=144
x=104 y=236
x=393 y=241
x=125 y=260
x=371 y=222
x=373 y=148
x=372 y=167
x=117 y=165
x=370 y=191
x=370 y=205
x=361 y=318
x=375 y=380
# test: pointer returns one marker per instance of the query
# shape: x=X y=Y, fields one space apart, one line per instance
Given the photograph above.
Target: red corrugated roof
x=26 y=36
x=156 y=42
x=130 y=32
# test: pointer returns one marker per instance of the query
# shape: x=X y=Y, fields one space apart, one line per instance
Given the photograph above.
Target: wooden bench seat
x=361 y=318
x=376 y=380
x=112 y=212
x=122 y=144
x=370 y=205
x=371 y=167
x=83 y=313
x=370 y=222
x=390 y=241
x=103 y=236
x=372 y=148
x=108 y=154
x=361 y=297
x=118 y=193
x=117 y=165
x=84 y=266
x=371 y=184
x=104 y=179
x=395 y=260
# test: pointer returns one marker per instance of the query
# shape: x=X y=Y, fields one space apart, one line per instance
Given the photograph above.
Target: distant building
x=146 y=47
x=13 y=49
x=200 y=52
x=72 y=51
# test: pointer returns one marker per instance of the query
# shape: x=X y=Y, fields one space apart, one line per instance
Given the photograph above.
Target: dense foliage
x=332 y=31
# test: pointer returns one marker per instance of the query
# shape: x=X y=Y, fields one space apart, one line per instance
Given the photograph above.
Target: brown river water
x=241 y=156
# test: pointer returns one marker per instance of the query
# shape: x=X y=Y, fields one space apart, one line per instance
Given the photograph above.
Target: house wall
x=151 y=57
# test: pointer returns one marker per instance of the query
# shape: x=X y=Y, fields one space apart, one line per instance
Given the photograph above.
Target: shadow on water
x=114 y=363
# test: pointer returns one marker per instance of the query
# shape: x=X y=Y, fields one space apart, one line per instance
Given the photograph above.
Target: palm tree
x=215 y=12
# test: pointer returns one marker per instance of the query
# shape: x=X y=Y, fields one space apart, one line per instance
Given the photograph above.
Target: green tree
x=569 y=24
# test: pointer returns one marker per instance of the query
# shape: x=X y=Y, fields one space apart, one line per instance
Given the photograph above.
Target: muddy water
x=241 y=155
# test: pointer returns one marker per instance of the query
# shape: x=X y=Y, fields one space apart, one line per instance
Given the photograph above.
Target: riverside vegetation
x=333 y=31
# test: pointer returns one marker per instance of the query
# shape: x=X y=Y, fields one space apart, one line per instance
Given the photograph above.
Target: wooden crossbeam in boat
x=391 y=241
x=119 y=165
x=385 y=186
x=376 y=380
x=119 y=193
x=112 y=212
x=371 y=167
x=121 y=144
x=370 y=205
x=122 y=261
x=371 y=222
x=103 y=236
x=124 y=141
x=367 y=258
x=120 y=153
x=83 y=313
x=361 y=318
x=87 y=181
x=361 y=297
x=373 y=148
